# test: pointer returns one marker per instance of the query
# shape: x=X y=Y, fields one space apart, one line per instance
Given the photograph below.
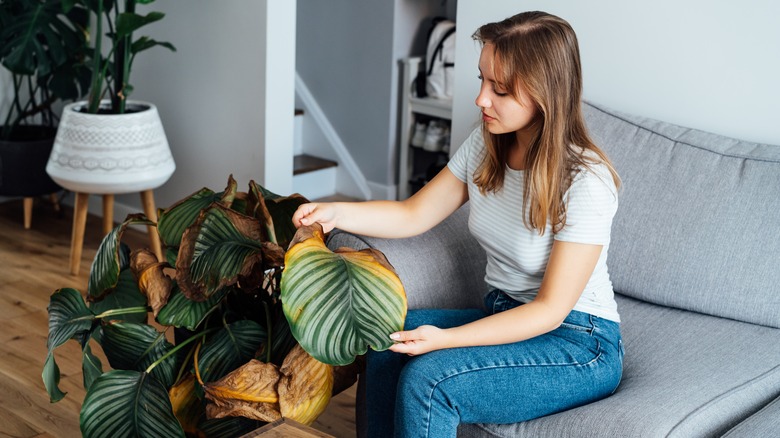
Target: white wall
x=709 y=65
x=224 y=108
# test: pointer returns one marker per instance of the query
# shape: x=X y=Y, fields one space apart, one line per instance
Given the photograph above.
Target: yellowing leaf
x=152 y=281
x=186 y=405
x=339 y=303
x=249 y=391
x=305 y=387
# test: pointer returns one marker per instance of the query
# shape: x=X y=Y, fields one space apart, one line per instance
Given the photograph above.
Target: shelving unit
x=412 y=107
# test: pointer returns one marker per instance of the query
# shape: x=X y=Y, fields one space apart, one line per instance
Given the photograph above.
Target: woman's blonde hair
x=538 y=52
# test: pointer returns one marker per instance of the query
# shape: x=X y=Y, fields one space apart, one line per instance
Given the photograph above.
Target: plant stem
x=179 y=347
x=124 y=311
x=97 y=58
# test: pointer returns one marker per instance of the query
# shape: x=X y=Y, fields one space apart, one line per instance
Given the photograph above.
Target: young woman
x=542 y=200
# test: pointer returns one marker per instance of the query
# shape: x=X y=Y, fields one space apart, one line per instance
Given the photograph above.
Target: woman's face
x=501 y=112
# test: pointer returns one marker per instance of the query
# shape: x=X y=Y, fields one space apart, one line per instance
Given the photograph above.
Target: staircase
x=313 y=177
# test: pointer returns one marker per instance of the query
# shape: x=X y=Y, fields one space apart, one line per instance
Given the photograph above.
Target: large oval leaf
x=339 y=303
x=220 y=247
x=124 y=403
x=130 y=346
x=104 y=273
x=229 y=348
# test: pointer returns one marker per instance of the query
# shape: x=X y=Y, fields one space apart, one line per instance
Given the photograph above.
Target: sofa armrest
x=443 y=267
x=765 y=422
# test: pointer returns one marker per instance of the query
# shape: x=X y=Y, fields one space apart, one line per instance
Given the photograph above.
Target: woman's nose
x=482 y=101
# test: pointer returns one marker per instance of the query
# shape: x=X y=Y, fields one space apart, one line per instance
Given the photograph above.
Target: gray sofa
x=695 y=262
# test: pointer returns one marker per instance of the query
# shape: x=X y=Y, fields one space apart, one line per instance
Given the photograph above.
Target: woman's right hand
x=322 y=213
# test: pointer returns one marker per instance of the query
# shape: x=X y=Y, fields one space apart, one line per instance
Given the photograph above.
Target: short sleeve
x=591 y=203
x=459 y=163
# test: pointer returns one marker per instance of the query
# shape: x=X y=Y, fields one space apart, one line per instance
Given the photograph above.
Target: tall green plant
x=43 y=46
x=115 y=23
x=239 y=303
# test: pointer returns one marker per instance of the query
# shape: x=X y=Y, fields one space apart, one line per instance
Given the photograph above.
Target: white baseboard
x=384 y=192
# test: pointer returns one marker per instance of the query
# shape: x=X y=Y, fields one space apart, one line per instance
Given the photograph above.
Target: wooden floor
x=33 y=264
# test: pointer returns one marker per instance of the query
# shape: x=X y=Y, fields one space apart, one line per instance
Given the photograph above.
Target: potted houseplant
x=43 y=47
x=107 y=144
x=260 y=329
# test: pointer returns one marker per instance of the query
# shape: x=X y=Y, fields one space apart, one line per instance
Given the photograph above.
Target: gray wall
x=710 y=65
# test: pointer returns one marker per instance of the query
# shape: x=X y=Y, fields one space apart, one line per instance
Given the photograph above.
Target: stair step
x=308 y=163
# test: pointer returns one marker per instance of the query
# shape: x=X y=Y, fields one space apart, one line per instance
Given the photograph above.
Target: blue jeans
x=579 y=362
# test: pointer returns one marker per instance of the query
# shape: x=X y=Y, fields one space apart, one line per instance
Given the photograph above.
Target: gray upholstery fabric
x=698 y=226
x=442 y=268
x=764 y=423
x=685 y=375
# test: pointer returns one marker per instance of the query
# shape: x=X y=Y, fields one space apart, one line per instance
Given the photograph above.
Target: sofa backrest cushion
x=698 y=226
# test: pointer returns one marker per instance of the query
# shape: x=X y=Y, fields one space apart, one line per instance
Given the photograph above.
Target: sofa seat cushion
x=685 y=375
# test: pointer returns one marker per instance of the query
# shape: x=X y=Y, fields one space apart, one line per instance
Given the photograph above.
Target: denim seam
x=433 y=388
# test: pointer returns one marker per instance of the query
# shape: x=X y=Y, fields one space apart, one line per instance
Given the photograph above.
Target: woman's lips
x=487 y=118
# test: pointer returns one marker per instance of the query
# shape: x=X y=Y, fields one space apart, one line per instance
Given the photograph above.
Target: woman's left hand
x=419 y=341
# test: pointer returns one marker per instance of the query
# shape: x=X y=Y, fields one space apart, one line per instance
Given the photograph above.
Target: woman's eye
x=500 y=93
x=479 y=77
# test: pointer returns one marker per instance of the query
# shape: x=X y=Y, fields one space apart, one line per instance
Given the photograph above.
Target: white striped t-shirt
x=516 y=256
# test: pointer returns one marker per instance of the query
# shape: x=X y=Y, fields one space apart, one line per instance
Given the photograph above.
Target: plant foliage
x=201 y=344
x=43 y=44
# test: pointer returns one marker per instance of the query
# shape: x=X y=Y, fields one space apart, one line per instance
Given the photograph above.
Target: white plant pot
x=110 y=153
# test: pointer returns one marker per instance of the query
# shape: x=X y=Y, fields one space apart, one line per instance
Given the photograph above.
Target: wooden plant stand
x=80 y=223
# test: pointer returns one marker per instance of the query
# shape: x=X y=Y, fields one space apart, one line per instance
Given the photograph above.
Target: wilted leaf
x=104 y=273
x=152 y=281
x=187 y=407
x=275 y=212
x=305 y=387
x=68 y=316
x=221 y=246
x=249 y=391
x=340 y=303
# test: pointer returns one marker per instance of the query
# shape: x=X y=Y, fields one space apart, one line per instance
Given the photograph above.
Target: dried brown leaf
x=151 y=277
x=305 y=387
x=248 y=391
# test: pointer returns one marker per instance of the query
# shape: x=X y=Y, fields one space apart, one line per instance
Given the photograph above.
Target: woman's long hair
x=539 y=52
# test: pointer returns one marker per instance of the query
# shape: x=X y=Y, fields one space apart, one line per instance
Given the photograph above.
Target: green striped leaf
x=124 y=295
x=123 y=403
x=180 y=311
x=230 y=348
x=340 y=303
x=220 y=247
x=172 y=221
x=91 y=367
x=108 y=262
x=131 y=346
x=68 y=317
